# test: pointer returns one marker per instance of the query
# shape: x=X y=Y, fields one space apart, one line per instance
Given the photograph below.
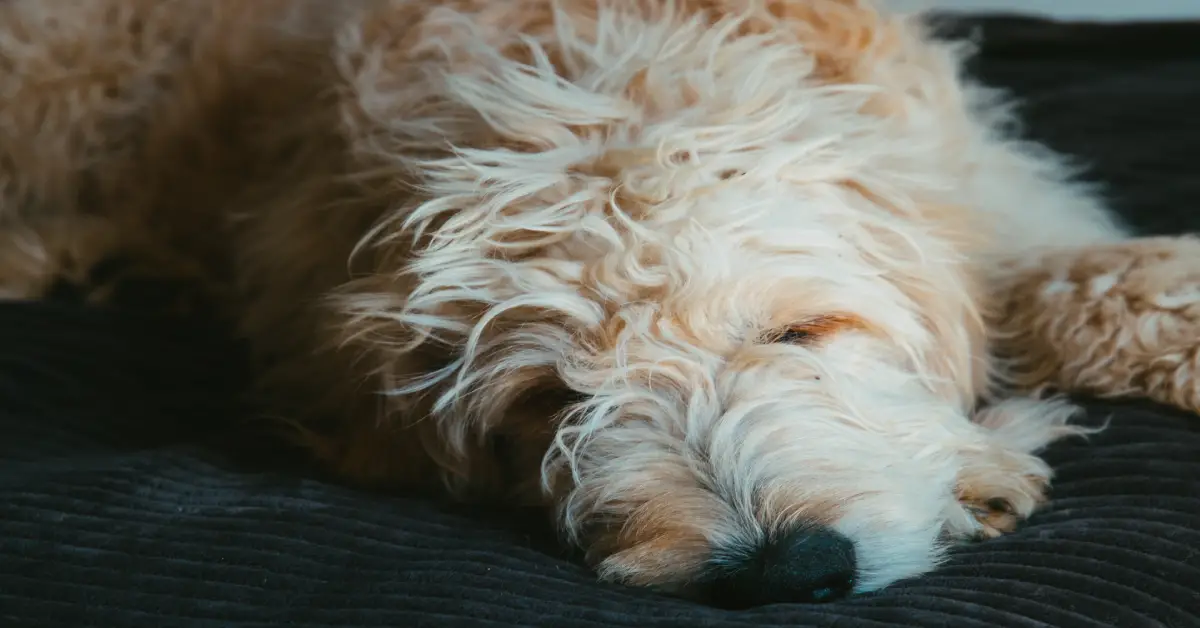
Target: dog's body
x=700 y=276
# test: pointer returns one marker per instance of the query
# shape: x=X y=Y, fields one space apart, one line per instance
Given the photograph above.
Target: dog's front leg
x=1112 y=320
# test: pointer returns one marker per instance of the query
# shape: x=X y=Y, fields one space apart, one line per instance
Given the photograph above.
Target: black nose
x=808 y=565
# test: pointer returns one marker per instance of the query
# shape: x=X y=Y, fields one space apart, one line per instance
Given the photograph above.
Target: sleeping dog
x=761 y=300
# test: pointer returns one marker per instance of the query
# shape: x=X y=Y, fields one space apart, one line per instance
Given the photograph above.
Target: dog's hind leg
x=131 y=132
x=1113 y=320
x=79 y=81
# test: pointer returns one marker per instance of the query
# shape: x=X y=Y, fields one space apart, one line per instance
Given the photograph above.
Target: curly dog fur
x=695 y=275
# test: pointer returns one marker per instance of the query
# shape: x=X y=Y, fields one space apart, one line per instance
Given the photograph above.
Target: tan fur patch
x=1116 y=320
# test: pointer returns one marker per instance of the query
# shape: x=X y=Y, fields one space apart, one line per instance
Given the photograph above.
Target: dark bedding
x=124 y=502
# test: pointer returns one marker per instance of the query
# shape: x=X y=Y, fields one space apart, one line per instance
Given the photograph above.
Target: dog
x=761 y=300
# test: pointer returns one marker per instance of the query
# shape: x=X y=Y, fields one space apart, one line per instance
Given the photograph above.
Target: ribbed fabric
x=120 y=506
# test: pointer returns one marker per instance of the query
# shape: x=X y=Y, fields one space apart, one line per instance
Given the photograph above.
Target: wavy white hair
x=635 y=201
x=694 y=275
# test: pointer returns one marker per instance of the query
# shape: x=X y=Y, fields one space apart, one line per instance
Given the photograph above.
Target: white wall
x=1069 y=9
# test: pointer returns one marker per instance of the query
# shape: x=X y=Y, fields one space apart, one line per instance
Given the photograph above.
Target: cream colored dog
x=754 y=295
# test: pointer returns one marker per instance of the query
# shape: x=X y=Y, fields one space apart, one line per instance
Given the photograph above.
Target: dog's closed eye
x=812 y=329
x=793 y=336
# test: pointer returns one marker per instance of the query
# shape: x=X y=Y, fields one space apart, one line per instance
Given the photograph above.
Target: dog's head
x=727 y=250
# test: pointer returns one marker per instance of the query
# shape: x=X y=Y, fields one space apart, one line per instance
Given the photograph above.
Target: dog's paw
x=1001 y=492
x=998 y=510
x=148 y=281
x=88 y=260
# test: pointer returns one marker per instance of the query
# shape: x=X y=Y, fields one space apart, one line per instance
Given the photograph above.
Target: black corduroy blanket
x=122 y=502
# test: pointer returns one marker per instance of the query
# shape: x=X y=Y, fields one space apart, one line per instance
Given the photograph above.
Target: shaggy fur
x=689 y=273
